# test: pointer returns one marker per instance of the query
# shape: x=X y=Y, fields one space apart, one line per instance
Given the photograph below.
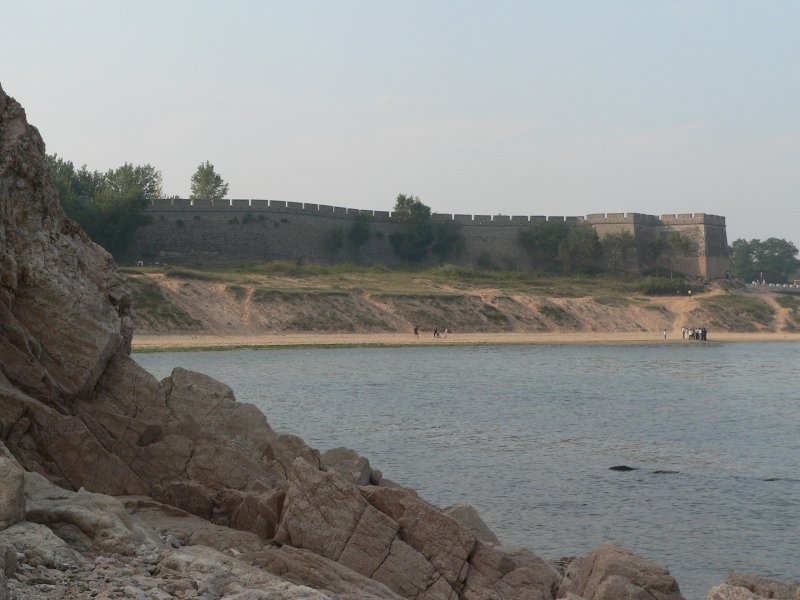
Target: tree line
x=110 y=205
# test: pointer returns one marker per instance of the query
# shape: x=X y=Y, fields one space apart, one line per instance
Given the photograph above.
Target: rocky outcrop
x=742 y=586
x=12 y=492
x=610 y=572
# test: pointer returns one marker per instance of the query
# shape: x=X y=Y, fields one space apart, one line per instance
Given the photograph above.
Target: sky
x=517 y=108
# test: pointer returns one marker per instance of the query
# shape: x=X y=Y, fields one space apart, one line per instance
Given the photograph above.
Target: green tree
x=359 y=231
x=679 y=246
x=616 y=248
x=541 y=241
x=207 y=183
x=412 y=242
x=580 y=249
x=773 y=259
x=334 y=241
x=447 y=239
x=109 y=206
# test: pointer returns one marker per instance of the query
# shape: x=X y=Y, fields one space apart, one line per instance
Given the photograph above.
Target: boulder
x=40 y=546
x=329 y=516
x=3 y=585
x=610 y=572
x=89 y=521
x=499 y=572
x=438 y=537
x=768 y=588
x=348 y=464
x=469 y=518
x=222 y=575
x=12 y=492
x=305 y=567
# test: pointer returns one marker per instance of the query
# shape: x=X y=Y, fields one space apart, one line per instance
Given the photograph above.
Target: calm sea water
x=527 y=436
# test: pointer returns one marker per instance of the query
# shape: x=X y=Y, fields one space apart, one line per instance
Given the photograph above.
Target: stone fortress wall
x=227 y=231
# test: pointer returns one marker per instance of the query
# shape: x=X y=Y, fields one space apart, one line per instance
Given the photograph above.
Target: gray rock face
x=12 y=492
x=40 y=546
x=609 y=572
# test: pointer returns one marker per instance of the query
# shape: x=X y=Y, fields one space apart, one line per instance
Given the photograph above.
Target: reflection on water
x=526 y=434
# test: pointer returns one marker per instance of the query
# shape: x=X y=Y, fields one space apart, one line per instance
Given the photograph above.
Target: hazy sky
x=554 y=108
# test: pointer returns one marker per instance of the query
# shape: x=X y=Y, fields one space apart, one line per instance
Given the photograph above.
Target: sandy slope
x=190 y=313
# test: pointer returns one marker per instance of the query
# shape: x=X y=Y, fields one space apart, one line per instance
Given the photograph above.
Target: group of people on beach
x=694 y=333
x=437 y=333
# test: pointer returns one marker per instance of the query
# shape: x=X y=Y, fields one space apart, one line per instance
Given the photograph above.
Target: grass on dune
x=447 y=278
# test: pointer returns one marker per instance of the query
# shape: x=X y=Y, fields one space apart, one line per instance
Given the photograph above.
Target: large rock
x=64 y=306
x=40 y=546
x=12 y=492
x=349 y=464
x=89 y=521
x=224 y=575
x=609 y=572
x=498 y=572
x=768 y=588
x=440 y=538
x=469 y=518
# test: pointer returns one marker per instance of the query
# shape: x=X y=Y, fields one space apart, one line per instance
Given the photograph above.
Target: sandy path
x=186 y=342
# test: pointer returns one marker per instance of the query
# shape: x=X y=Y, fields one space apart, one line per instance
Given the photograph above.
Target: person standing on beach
x=416 y=331
x=435 y=331
x=665 y=334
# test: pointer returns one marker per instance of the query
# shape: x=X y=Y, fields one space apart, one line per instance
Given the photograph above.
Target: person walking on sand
x=435 y=331
x=416 y=331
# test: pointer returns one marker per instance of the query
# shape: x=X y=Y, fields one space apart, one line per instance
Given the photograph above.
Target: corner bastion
x=230 y=231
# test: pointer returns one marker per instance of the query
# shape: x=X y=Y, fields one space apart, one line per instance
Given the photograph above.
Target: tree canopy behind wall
x=109 y=206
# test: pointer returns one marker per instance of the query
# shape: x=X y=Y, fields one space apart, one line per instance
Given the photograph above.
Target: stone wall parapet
x=243 y=204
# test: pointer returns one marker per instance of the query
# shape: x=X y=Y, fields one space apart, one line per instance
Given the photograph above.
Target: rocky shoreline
x=116 y=485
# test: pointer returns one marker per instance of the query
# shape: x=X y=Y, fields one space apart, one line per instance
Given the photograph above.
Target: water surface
x=527 y=435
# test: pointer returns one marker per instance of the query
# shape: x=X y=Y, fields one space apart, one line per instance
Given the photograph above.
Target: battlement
x=245 y=205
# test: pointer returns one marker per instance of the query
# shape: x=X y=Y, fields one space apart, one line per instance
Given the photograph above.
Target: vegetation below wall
x=284 y=297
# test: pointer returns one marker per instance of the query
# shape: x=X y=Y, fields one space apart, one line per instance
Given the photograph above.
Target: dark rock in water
x=622 y=468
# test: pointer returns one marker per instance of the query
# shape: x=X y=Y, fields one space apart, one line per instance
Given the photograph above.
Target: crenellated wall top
x=258 y=205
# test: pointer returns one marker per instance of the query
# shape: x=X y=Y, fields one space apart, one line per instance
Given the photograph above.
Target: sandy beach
x=145 y=343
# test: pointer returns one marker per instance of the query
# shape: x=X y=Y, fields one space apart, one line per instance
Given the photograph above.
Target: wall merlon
x=259 y=204
x=325 y=208
x=240 y=203
x=538 y=219
x=162 y=203
x=277 y=204
x=294 y=205
x=339 y=211
x=481 y=219
x=441 y=217
x=381 y=214
x=311 y=207
x=520 y=219
x=555 y=218
x=501 y=219
x=462 y=218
